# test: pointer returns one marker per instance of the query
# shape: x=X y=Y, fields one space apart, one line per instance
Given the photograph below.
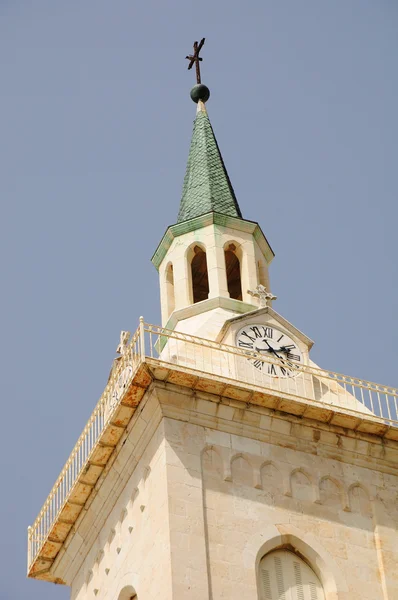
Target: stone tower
x=220 y=461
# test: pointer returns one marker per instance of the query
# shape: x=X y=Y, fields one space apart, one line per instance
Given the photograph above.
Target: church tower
x=210 y=259
x=220 y=461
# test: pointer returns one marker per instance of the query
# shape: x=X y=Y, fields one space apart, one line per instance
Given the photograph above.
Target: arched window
x=200 y=278
x=285 y=576
x=170 y=298
x=232 y=266
x=127 y=593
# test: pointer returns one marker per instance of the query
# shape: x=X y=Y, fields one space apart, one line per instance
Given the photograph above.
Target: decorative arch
x=198 y=274
x=270 y=477
x=169 y=284
x=242 y=471
x=359 y=500
x=306 y=546
x=301 y=485
x=233 y=261
x=331 y=492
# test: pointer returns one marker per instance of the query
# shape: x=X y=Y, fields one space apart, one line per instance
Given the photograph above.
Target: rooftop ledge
x=198 y=364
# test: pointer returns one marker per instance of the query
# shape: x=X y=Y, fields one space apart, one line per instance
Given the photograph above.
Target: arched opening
x=284 y=574
x=170 y=297
x=128 y=593
x=200 y=278
x=232 y=266
x=305 y=545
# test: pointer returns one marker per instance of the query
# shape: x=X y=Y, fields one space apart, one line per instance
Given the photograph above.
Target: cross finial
x=124 y=338
x=261 y=293
x=195 y=58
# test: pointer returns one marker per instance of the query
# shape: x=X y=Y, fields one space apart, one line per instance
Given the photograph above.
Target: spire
x=207 y=187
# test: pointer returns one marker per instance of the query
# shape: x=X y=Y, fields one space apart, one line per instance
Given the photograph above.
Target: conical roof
x=207 y=187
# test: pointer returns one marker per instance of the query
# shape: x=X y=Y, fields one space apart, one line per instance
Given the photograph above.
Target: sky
x=95 y=126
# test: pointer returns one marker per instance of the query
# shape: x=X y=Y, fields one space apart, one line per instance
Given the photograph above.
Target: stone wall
x=222 y=483
x=130 y=548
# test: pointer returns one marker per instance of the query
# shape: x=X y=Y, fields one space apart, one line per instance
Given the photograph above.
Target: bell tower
x=221 y=461
x=212 y=257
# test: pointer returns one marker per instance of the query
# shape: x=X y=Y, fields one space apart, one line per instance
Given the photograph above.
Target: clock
x=273 y=344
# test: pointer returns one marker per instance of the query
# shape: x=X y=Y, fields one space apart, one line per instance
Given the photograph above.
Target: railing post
x=142 y=339
x=29 y=546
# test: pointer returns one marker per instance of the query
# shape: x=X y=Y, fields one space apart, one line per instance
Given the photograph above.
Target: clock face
x=273 y=345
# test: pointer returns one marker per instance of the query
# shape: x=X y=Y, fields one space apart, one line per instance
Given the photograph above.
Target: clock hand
x=276 y=354
x=269 y=349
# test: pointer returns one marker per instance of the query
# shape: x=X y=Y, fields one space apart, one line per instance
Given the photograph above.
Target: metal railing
x=200 y=356
x=277 y=375
x=80 y=455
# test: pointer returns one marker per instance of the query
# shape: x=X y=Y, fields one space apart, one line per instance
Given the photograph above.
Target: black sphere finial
x=200 y=92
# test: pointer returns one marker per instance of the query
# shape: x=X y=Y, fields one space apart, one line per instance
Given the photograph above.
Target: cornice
x=212 y=218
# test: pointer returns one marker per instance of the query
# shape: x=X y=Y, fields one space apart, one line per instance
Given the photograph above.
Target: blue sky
x=95 y=127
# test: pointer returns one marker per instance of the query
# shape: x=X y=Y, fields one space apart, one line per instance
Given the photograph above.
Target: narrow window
x=232 y=266
x=285 y=576
x=200 y=278
x=170 y=298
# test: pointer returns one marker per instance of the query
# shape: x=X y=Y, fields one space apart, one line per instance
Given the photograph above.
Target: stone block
x=244 y=444
x=281 y=426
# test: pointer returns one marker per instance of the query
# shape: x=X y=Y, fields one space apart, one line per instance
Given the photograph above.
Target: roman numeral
x=271 y=370
x=245 y=344
x=284 y=371
x=293 y=356
x=258 y=364
x=253 y=339
x=256 y=332
x=268 y=332
x=282 y=336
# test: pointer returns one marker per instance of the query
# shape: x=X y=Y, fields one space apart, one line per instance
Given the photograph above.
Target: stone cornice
x=212 y=218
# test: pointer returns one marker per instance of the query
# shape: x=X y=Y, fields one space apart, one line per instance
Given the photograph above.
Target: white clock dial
x=273 y=345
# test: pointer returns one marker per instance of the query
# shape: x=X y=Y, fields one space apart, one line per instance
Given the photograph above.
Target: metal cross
x=195 y=58
x=261 y=293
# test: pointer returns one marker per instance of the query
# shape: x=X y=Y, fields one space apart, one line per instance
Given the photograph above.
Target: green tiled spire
x=207 y=187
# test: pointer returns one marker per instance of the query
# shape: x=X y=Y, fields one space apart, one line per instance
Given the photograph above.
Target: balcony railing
x=174 y=350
